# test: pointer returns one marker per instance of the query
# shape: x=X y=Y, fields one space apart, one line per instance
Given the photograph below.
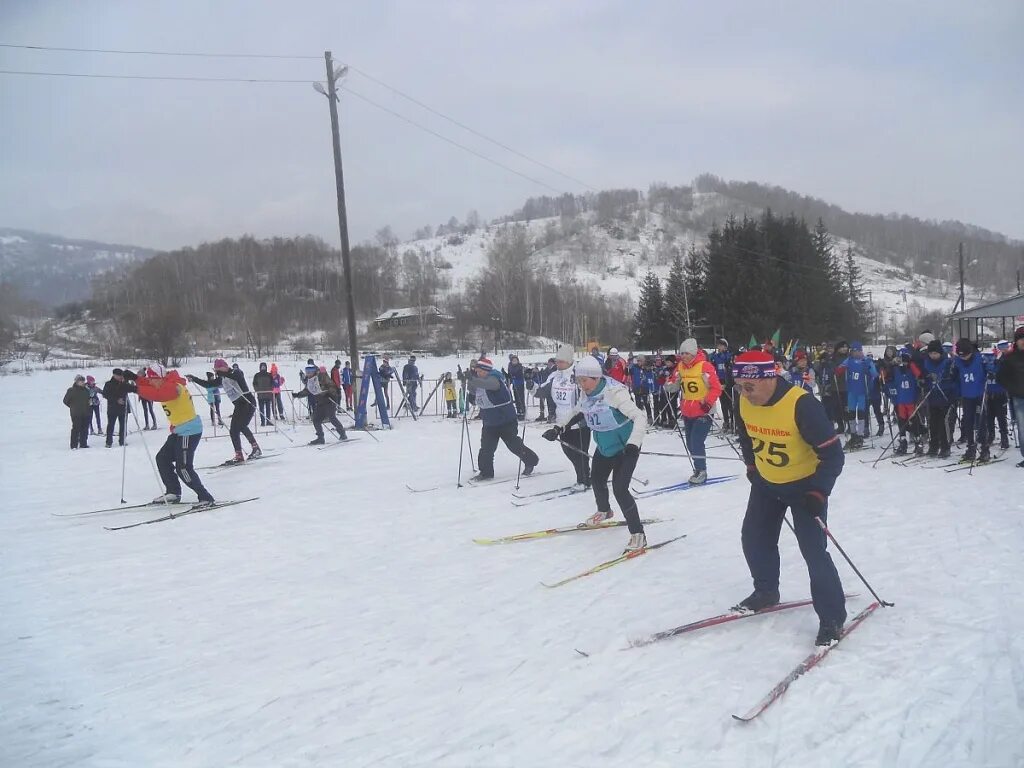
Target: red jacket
x=617 y=370
x=699 y=384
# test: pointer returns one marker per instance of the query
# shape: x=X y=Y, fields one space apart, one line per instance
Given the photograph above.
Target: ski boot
x=316 y=441
x=699 y=477
x=239 y=458
x=881 y=429
x=970 y=454
x=528 y=469
x=579 y=487
x=983 y=455
x=919 y=449
x=255 y=453
x=201 y=505
x=933 y=451
x=166 y=498
x=1004 y=443
x=944 y=453
x=480 y=477
x=829 y=632
x=596 y=519
x=637 y=542
x=757 y=601
x=901 y=448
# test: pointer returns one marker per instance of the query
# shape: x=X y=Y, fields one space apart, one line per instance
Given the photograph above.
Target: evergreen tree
x=675 y=303
x=649 y=313
x=853 y=282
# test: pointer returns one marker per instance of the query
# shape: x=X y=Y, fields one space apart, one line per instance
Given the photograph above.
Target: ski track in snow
x=341 y=620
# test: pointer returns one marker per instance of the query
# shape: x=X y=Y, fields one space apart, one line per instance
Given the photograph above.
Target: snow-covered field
x=342 y=621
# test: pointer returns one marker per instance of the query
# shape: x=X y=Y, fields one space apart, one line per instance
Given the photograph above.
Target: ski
x=549 y=496
x=190 y=511
x=483 y=483
x=558 y=532
x=609 y=563
x=683 y=486
x=337 y=443
x=714 y=621
x=232 y=463
x=968 y=465
x=422 y=490
x=541 y=493
x=127 y=508
x=804 y=666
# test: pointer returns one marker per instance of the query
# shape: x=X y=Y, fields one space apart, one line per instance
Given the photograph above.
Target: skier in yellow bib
x=793 y=458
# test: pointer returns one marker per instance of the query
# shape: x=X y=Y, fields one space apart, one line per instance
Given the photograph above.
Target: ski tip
x=742 y=718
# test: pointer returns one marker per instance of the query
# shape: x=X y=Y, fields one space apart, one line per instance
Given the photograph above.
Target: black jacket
x=115 y=391
x=263 y=385
x=77 y=400
x=1010 y=373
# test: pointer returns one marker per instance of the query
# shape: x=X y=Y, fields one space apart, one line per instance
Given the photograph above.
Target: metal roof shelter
x=1005 y=315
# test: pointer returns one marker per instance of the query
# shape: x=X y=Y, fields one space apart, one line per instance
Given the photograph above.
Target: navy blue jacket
x=972 y=376
x=494 y=399
x=939 y=381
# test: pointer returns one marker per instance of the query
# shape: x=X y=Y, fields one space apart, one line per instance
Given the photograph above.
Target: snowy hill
x=55 y=270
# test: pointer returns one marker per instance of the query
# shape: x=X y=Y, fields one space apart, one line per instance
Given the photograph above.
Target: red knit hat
x=754 y=364
x=485 y=364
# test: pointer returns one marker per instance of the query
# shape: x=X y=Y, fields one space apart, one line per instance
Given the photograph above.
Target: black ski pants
x=240 y=419
x=620 y=467
x=973 y=419
x=995 y=411
x=115 y=415
x=939 y=430
x=266 y=411
x=80 y=430
x=726 y=401
x=762 y=524
x=519 y=393
x=326 y=411
x=99 y=426
x=576 y=446
x=507 y=433
x=174 y=461
x=148 y=413
x=643 y=402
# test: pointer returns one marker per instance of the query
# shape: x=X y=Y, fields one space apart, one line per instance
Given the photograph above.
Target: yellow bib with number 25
x=782 y=455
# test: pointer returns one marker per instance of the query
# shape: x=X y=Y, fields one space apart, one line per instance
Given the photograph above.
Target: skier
x=518 y=382
x=875 y=396
x=325 y=396
x=386 y=371
x=699 y=391
x=997 y=400
x=94 y=405
x=1011 y=376
x=213 y=400
x=411 y=380
x=900 y=381
x=615 y=366
x=575 y=437
x=793 y=458
x=973 y=379
x=618 y=427
x=174 y=460
x=77 y=400
x=500 y=421
x=115 y=392
x=721 y=358
x=660 y=405
x=450 y=396
x=939 y=384
x=263 y=387
x=543 y=393
x=859 y=374
x=346 y=384
x=801 y=374
x=232 y=381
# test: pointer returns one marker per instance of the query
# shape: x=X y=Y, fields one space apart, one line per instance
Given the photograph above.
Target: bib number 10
x=770 y=453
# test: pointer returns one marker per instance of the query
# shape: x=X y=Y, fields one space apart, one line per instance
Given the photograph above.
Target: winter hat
x=79 y=377
x=934 y=346
x=613 y=352
x=117 y=372
x=310 y=360
x=485 y=364
x=947 y=345
x=799 y=355
x=220 y=364
x=312 y=370
x=263 y=366
x=91 y=380
x=724 y=342
x=589 y=367
x=964 y=346
x=926 y=338
x=155 y=371
x=906 y=354
x=1001 y=344
x=689 y=347
x=856 y=346
x=565 y=354
x=1019 y=333
x=754 y=364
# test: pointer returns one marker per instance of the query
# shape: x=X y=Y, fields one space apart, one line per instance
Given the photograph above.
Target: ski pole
x=821 y=524
x=124 y=445
x=519 y=468
x=983 y=432
x=918 y=408
x=462 y=445
x=145 y=445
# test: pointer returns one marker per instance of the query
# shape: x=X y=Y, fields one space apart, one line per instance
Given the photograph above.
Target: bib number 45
x=770 y=453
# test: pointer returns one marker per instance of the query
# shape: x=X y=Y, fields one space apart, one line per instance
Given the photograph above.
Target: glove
x=552 y=434
x=706 y=407
x=814 y=503
x=751 y=473
x=991 y=376
x=632 y=451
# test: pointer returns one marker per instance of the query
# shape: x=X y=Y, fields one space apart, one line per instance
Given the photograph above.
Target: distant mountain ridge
x=57 y=270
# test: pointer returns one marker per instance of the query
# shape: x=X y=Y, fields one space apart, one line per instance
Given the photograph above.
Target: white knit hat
x=688 y=347
x=925 y=337
x=589 y=367
x=613 y=352
x=565 y=354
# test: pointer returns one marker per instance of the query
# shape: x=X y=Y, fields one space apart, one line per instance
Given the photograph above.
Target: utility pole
x=332 y=99
x=960 y=301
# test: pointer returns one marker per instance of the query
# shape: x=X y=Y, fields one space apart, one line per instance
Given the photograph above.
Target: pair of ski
x=230 y=463
x=646 y=493
x=808 y=663
x=485 y=483
x=193 y=509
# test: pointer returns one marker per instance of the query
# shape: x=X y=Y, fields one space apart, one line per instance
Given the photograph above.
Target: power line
x=450 y=141
x=158 y=53
x=154 y=77
x=465 y=127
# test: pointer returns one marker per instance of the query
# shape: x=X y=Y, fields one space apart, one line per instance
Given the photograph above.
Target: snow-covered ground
x=342 y=621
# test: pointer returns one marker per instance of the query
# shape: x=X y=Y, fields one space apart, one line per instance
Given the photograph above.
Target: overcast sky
x=876 y=106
